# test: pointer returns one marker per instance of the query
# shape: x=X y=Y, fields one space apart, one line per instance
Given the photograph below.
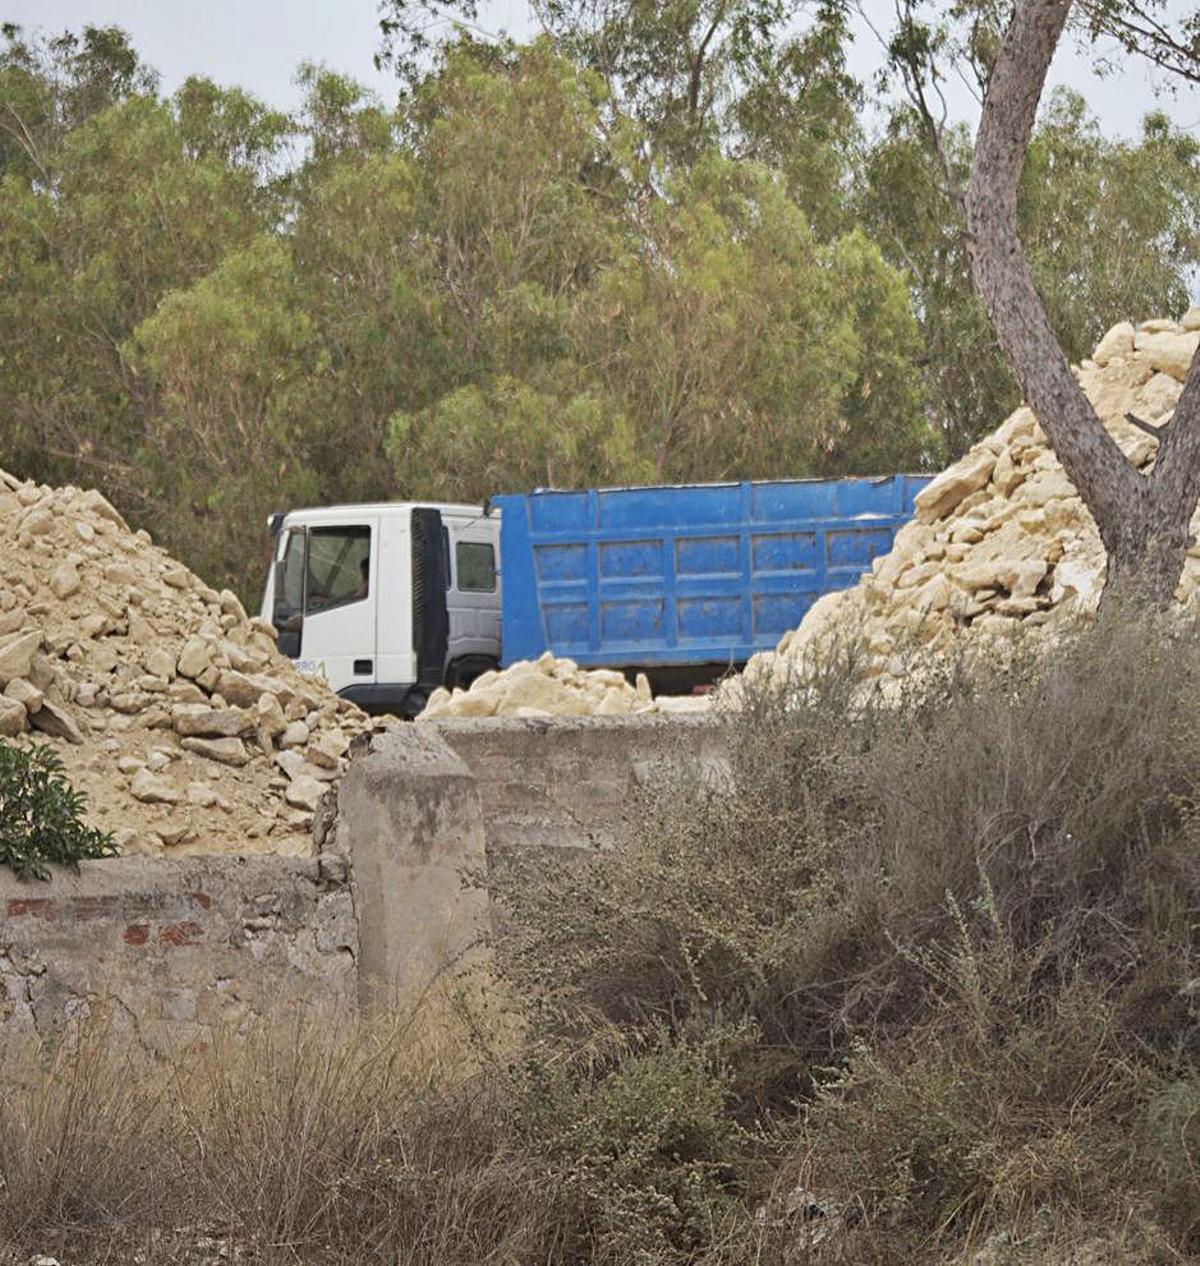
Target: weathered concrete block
x=410 y=820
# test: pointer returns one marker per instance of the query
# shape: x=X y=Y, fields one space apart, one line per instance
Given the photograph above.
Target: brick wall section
x=175 y=947
x=570 y=782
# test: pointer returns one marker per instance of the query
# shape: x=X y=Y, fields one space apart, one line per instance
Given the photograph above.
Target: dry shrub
x=958 y=926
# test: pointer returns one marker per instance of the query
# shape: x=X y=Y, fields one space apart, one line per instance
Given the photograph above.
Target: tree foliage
x=41 y=815
x=568 y=262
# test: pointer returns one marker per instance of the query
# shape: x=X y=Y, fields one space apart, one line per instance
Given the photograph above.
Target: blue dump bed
x=692 y=574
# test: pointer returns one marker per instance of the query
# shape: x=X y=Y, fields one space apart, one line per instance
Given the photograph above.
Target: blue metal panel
x=691 y=574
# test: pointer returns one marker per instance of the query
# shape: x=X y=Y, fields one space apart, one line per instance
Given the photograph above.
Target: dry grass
x=318 y=1141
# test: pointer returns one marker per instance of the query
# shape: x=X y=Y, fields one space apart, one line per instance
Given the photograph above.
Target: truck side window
x=476 y=565
x=446 y=554
x=339 y=561
x=289 y=581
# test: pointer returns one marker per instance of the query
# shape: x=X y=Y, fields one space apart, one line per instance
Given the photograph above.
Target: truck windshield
x=289 y=579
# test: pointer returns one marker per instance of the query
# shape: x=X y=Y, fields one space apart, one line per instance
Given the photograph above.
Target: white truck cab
x=387 y=600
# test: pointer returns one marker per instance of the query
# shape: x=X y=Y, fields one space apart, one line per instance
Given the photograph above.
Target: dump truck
x=683 y=582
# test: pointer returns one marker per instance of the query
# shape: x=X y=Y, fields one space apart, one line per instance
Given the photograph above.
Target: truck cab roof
x=343 y=513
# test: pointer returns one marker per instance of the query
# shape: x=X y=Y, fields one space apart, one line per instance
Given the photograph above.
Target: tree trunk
x=1143 y=519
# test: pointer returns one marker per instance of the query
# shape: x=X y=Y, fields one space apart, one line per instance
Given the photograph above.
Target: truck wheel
x=461 y=673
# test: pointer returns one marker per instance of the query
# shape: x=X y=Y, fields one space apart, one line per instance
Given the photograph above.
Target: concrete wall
x=174 y=948
x=410 y=824
x=571 y=782
x=175 y=945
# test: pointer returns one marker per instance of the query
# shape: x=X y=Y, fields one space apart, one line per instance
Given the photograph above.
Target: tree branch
x=1091 y=458
x=1177 y=467
x=694 y=79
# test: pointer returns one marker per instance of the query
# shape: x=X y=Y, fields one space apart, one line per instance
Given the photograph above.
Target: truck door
x=326 y=584
x=474 y=593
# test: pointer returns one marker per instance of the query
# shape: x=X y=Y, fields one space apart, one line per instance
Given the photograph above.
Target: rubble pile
x=170 y=707
x=1001 y=539
x=554 y=687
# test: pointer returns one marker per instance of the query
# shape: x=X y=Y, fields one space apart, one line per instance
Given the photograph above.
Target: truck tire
x=462 y=672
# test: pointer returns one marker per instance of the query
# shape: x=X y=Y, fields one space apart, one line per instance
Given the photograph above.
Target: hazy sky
x=257 y=45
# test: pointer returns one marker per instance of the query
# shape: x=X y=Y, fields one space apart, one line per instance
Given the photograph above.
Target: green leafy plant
x=41 y=815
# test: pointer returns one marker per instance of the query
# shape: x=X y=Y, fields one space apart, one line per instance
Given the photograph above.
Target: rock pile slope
x=554 y=687
x=1001 y=538
x=171 y=708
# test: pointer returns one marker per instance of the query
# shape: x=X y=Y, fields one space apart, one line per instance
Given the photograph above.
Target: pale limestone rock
x=546 y=687
x=13 y=717
x=544 y=693
x=952 y=486
x=37 y=523
x=327 y=749
x=1169 y=353
x=1158 y=396
x=295 y=735
x=151 y=789
x=64 y=580
x=94 y=502
x=231 y=605
x=93 y=625
x=201 y=795
x=1018 y=549
x=683 y=703
x=201 y=722
x=17 y=652
x=268 y=714
x=55 y=719
x=438 y=700
x=475 y=703
x=244 y=689
x=1191 y=319
x=226 y=751
x=304 y=793
x=25 y=693
x=195 y=657
x=159 y=662
x=294 y=766
x=615 y=703
x=12 y=620
x=1007 y=475
x=1117 y=342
